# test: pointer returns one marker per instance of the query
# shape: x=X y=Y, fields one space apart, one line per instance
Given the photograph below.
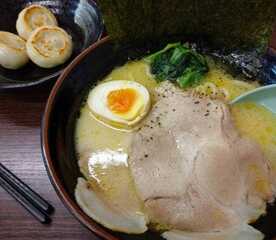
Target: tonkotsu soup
x=104 y=146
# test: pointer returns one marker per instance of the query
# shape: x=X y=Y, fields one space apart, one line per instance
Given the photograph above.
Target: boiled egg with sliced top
x=33 y=17
x=49 y=46
x=13 y=53
x=119 y=103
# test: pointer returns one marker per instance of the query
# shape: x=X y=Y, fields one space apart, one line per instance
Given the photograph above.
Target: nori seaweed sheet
x=230 y=24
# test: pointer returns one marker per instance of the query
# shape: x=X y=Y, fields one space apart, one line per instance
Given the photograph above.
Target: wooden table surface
x=20 y=116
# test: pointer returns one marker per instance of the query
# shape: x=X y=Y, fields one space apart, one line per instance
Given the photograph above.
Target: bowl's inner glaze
x=80 y=18
x=66 y=107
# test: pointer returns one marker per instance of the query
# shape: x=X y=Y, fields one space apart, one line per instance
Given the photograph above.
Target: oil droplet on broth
x=93 y=136
x=103 y=151
x=225 y=82
x=138 y=71
x=103 y=161
x=257 y=123
x=112 y=178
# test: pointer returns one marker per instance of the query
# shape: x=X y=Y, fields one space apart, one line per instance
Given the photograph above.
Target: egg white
x=49 y=46
x=33 y=17
x=98 y=102
x=13 y=53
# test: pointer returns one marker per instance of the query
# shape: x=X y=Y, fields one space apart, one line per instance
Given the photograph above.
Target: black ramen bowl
x=80 y=18
x=59 y=123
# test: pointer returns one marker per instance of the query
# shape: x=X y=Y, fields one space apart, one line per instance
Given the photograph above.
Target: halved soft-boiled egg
x=119 y=103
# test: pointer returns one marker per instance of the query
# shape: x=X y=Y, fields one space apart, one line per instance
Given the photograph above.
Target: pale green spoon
x=265 y=96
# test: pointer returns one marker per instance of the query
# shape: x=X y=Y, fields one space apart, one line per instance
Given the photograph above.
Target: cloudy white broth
x=103 y=150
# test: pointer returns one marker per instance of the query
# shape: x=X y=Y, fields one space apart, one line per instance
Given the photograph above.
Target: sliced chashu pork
x=240 y=232
x=107 y=194
x=192 y=169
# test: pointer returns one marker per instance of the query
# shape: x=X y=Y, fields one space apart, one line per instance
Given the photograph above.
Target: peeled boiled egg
x=33 y=17
x=49 y=46
x=119 y=103
x=13 y=53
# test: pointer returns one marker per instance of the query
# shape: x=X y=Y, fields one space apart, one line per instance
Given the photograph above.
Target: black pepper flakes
x=196 y=102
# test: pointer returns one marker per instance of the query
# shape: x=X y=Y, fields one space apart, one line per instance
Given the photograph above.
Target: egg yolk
x=121 y=100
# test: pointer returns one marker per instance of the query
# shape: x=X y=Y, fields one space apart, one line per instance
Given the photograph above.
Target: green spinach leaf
x=178 y=63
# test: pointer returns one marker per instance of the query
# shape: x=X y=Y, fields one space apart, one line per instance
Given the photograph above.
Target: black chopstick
x=38 y=214
x=25 y=191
